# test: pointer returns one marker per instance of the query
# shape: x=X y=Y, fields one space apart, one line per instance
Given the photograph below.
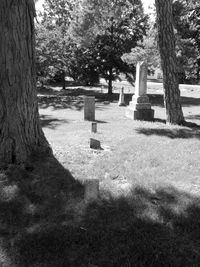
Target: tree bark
x=20 y=130
x=63 y=80
x=110 y=78
x=198 y=70
x=166 y=43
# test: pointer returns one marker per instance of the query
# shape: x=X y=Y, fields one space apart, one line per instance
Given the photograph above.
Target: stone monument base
x=140 y=114
x=140 y=109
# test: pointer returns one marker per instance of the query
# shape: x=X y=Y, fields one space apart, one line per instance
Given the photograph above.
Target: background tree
x=187 y=24
x=86 y=39
x=166 y=42
x=110 y=28
x=146 y=50
x=54 y=45
x=20 y=133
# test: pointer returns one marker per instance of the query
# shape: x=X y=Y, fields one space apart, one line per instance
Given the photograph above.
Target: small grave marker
x=121 y=97
x=94 y=127
x=95 y=144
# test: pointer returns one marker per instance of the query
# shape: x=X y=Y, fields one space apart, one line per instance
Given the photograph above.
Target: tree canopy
x=86 y=39
x=186 y=16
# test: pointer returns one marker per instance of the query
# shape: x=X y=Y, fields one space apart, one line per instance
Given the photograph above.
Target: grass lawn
x=148 y=213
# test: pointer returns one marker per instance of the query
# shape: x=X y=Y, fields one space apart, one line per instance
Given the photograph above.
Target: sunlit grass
x=148 y=211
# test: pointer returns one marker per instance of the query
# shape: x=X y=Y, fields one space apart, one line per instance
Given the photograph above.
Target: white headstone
x=121 y=97
x=141 y=79
x=140 y=107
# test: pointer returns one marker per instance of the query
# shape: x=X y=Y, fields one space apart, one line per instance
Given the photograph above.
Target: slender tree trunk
x=198 y=74
x=63 y=80
x=20 y=130
x=166 y=41
x=110 y=78
x=198 y=70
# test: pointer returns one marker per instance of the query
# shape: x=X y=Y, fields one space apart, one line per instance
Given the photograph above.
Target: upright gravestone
x=89 y=108
x=121 y=97
x=140 y=107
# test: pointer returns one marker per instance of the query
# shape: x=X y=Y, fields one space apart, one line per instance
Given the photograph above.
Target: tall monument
x=140 y=107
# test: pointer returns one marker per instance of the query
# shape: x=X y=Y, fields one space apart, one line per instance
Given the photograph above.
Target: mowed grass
x=142 y=153
x=148 y=212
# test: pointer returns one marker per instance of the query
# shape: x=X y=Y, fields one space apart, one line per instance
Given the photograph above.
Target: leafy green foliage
x=145 y=51
x=187 y=24
x=86 y=39
x=54 y=44
x=110 y=28
x=84 y=67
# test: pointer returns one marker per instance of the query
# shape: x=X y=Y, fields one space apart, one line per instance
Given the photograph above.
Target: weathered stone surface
x=106 y=102
x=141 y=79
x=140 y=107
x=89 y=108
x=94 y=127
x=121 y=97
x=140 y=99
x=141 y=114
x=95 y=144
x=91 y=190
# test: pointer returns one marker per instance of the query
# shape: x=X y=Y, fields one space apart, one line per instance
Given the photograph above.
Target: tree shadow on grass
x=193 y=117
x=190 y=101
x=101 y=122
x=143 y=229
x=74 y=99
x=48 y=121
x=158 y=100
x=60 y=102
x=173 y=133
x=34 y=198
x=45 y=222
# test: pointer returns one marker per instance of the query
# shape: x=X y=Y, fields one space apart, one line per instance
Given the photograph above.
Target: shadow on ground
x=60 y=102
x=173 y=133
x=193 y=117
x=190 y=101
x=158 y=100
x=34 y=198
x=48 y=121
x=74 y=98
x=145 y=229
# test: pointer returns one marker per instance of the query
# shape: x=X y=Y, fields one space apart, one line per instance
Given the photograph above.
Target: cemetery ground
x=148 y=212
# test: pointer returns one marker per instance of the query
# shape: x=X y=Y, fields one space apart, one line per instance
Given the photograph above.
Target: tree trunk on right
x=166 y=43
x=110 y=79
x=63 y=80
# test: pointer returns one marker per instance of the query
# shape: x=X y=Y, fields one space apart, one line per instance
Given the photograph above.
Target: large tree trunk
x=166 y=41
x=20 y=130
